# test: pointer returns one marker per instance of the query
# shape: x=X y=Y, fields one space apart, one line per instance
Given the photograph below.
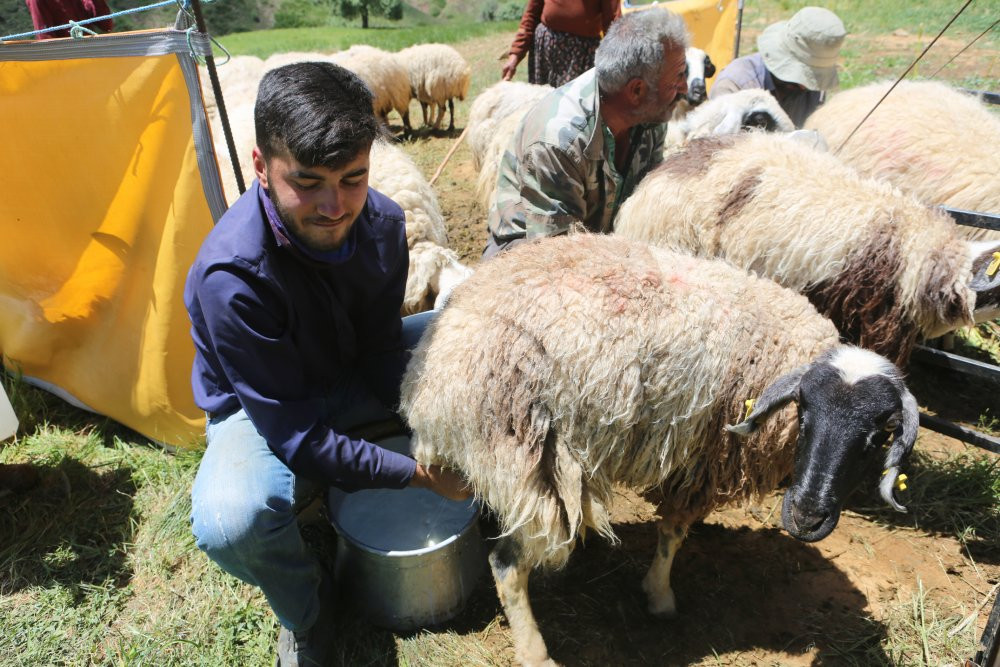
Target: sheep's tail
x=555 y=507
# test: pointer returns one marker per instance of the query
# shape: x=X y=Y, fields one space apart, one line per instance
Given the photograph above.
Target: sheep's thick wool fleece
x=571 y=363
x=926 y=138
x=882 y=265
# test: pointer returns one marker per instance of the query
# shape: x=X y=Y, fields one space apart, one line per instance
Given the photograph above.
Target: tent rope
x=901 y=77
x=950 y=60
x=72 y=24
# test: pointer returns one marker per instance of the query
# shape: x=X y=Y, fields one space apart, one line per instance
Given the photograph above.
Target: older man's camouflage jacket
x=559 y=168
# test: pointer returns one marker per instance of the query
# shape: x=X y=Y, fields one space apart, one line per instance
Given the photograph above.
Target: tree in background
x=391 y=9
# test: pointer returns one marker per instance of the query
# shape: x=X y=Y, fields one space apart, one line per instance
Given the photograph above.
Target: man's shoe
x=310 y=648
x=301 y=649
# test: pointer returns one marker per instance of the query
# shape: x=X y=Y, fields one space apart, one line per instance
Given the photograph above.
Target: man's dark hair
x=321 y=114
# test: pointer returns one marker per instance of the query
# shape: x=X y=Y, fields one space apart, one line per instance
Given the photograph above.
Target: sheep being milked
x=570 y=364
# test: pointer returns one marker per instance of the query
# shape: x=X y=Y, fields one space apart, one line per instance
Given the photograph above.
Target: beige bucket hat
x=804 y=48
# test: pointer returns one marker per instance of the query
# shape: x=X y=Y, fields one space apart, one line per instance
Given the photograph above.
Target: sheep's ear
x=985 y=266
x=904 y=438
x=731 y=123
x=810 y=138
x=780 y=392
x=709 y=67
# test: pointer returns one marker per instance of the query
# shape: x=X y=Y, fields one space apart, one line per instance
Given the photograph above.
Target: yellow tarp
x=102 y=211
x=712 y=24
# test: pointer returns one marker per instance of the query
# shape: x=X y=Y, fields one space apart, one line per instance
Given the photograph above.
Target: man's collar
x=593 y=149
x=285 y=239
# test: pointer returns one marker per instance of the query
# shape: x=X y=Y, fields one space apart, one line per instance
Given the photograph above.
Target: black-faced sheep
x=570 y=364
x=438 y=74
x=927 y=138
x=700 y=68
x=883 y=266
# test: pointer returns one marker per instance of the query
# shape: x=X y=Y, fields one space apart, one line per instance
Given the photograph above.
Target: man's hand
x=441 y=481
x=509 y=68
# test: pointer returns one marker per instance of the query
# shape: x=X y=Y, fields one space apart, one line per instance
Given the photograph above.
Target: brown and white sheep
x=571 y=364
x=926 y=138
x=882 y=265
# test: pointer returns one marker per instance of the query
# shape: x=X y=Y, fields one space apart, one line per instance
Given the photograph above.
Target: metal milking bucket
x=406 y=558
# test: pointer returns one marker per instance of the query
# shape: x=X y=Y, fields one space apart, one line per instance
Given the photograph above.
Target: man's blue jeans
x=243 y=507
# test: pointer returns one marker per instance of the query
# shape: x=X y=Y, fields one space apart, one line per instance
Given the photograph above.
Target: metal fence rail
x=957 y=363
x=984 y=95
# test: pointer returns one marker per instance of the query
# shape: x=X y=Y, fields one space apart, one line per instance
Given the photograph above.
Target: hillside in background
x=228 y=16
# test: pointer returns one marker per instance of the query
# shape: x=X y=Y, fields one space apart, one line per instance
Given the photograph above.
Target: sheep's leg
x=511 y=576
x=657 y=582
x=451 y=118
x=439 y=115
x=423 y=112
x=407 y=128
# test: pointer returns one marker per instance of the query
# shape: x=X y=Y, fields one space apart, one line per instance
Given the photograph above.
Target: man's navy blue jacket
x=278 y=334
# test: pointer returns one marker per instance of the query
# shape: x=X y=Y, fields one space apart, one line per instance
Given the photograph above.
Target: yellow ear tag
x=900 y=481
x=749 y=406
x=994 y=265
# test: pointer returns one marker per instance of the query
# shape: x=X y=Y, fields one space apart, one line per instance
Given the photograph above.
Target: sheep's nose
x=807 y=521
x=696 y=92
x=759 y=119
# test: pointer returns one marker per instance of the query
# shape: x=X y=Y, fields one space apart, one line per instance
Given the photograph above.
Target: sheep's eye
x=892 y=425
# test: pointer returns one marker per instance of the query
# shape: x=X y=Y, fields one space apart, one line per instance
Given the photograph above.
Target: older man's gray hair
x=635 y=46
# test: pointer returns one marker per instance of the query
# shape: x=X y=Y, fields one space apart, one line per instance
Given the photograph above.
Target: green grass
x=924 y=18
x=264 y=43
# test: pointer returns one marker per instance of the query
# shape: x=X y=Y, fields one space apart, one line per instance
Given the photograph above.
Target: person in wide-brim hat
x=796 y=61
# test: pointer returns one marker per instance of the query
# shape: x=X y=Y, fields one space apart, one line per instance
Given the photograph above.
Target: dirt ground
x=748 y=593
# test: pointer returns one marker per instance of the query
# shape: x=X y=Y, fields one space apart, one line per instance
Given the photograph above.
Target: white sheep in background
x=883 y=266
x=501 y=133
x=494 y=104
x=434 y=268
x=438 y=74
x=386 y=76
x=493 y=119
x=570 y=364
x=927 y=138
x=238 y=78
x=729 y=114
x=244 y=138
x=276 y=60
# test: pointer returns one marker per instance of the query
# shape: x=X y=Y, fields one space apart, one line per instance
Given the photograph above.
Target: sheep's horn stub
x=886 y=486
x=743 y=429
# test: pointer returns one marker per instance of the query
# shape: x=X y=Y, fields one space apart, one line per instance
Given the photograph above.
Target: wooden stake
x=448 y=156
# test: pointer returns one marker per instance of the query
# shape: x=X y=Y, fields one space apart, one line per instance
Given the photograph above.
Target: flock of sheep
x=746 y=266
